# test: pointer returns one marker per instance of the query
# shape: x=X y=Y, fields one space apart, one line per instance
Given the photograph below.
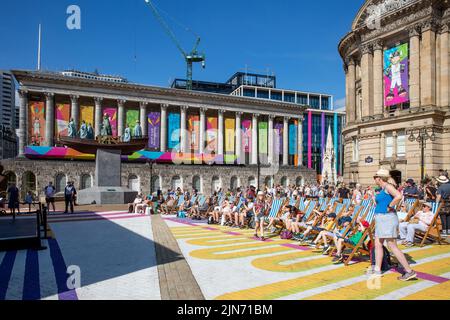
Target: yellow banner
x=230 y=128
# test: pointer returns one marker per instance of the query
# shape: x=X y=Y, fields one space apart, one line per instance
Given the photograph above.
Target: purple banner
x=154 y=130
x=278 y=140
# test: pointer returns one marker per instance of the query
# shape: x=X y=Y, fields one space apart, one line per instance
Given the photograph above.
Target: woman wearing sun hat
x=387 y=224
x=443 y=195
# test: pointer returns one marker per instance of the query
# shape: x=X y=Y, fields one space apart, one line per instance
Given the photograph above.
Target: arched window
x=156 y=184
x=61 y=182
x=299 y=182
x=134 y=183
x=268 y=182
x=284 y=181
x=216 y=185
x=28 y=183
x=252 y=182
x=234 y=183
x=197 y=183
x=177 y=183
x=86 y=181
x=11 y=178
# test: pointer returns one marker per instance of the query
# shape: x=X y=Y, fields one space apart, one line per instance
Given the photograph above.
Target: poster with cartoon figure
x=396 y=75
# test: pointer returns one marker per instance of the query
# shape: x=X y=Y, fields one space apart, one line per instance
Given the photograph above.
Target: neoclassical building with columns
x=196 y=140
x=396 y=61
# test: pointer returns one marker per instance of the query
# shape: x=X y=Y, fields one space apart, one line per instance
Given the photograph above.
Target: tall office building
x=8 y=141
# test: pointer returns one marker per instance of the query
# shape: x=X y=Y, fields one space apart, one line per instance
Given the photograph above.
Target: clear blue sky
x=295 y=39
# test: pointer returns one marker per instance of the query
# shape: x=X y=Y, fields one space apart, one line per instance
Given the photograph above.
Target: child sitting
x=339 y=241
x=402 y=214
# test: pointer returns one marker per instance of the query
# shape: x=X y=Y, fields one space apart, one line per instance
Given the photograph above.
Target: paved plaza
x=122 y=256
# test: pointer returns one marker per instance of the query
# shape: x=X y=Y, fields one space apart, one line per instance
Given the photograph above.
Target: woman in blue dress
x=387 y=224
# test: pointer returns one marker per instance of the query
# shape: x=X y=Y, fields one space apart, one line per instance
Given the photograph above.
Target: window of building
x=284 y=182
x=86 y=181
x=355 y=147
x=176 y=183
x=389 y=150
x=401 y=144
x=216 y=185
x=276 y=96
x=299 y=182
x=197 y=183
x=252 y=182
x=289 y=97
x=234 y=183
x=314 y=102
x=268 y=182
x=61 y=182
x=302 y=99
x=325 y=103
x=134 y=183
x=156 y=184
x=263 y=94
x=249 y=93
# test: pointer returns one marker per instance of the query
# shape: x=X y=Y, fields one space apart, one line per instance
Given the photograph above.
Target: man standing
x=443 y=194
x=343 y=192
x=411 y=191
x=69 y=196
x=50 y=191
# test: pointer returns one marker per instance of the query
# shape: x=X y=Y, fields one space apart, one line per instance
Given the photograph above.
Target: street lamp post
x=422 y=135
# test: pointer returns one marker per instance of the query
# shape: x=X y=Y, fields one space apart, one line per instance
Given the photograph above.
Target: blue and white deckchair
x=276 y=207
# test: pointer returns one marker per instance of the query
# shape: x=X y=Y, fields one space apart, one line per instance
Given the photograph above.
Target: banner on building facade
x=263 y=137
x=131 y=117
x=278 y=138
x=230 y=129
x=247 y=136
x=396 y=75
x=36 y=123
x=293 y=132
x=194 y=132
x=174 y=121
x=211 y=134
x=112 y=112
x=154 y=130
x=62 y=116
x=87 y=115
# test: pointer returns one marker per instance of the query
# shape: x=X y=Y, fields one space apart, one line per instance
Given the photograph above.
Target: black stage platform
x=19 y=234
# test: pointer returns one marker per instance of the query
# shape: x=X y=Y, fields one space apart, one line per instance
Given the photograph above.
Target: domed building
x=396 y=61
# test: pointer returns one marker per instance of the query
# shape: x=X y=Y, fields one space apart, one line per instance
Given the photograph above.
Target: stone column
x=183 y=130
x=121 y=117
x=271 y=146
x=238 y=137
x=286 y=142
x=143 y=117
x=220 y=133
x=202 y=130
x=378 y=85
x=414 y=67
x=382 y=146
x=428 y=64
x=75 y=110
x=49 y=119
x=164 y=108
x=255 y=139
x=23 y=122
x=300 y=141
x=394 y=137
x=444 y=69
x=98 y=116
x=366 y=80
x=351 y=102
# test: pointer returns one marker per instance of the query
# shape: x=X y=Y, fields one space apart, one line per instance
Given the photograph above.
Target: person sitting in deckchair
x=318 y=220
x=326 y=226
x=194 y=212
x=339 y=230
x=284 y=221
x=402 y=213
x=297 y=223
x=246 y=212
x=168 y=206
x=186 y=205
x=353 y=240
x=421 y=221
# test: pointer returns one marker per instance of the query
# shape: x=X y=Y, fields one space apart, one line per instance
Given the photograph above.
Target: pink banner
x=247 y=135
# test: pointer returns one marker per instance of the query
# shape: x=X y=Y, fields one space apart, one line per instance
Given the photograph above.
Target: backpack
x=210 y=220
x=387 y=264
x=181 y=214
x=286 y=235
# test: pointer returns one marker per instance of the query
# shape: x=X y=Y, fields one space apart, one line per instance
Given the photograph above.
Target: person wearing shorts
x=50 y=191
x=353 y=240
x=261 y=211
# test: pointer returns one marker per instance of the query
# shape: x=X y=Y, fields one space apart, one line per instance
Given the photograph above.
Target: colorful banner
x=87 y=115
x=396 y=75
x=263 y=137
x=247 y=135
x=278 y=139
x=194 y=132
x=112 y=112
x=154 y=130
x=36 y=123
x=174 y=121
x=230 y=136
x=293 y=132
x=211 y=134
x=131 y=117
x=62 y=116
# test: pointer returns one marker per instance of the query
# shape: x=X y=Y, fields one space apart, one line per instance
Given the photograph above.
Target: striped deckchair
x=347 y=203
x=433 y=232
x=275 y=209
x=201 y=200
x=302 y=204
x=360 y=247
x=292 y=201
x=323 y=204
x=193 y=199
x=366 y=202
x=309 y=210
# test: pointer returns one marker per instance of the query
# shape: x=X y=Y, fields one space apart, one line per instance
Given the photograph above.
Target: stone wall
x=46 y=171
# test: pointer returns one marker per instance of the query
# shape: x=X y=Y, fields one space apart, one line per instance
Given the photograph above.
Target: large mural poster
x=396 y=75
x=36 y=123
x=247 y=136
x=87 y=115
x=278 y=139
x=194 y=132
x=293 y=145
x=212 y=124
x=263 y=137
x=62 y=116
x=174 y=121
x=131 y=117
x=230 y=128
x=112 y=112
x=154 y=130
